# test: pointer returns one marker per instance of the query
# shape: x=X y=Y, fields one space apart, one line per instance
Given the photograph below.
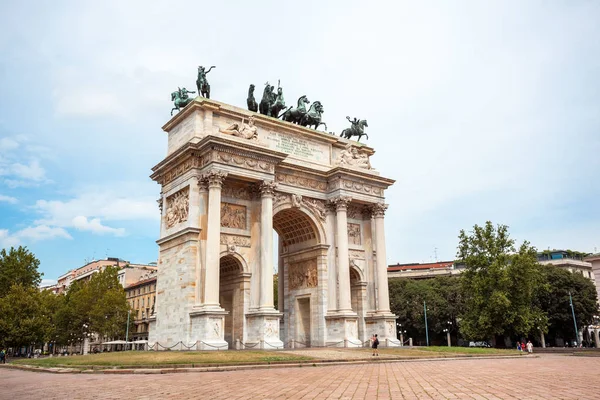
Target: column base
x=263 y=330
x=207 y=328
x=342 y=329
x=384 y=325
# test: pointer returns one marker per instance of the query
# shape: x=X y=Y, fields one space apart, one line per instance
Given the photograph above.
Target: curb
x=228 y=368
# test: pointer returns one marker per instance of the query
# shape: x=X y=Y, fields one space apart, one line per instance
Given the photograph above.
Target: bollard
x=237 y=344
x=410 y=341
x=345 y=342
x=262 y=344
x=292 y=344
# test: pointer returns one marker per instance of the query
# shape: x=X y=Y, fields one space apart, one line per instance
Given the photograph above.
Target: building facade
x=141 y=297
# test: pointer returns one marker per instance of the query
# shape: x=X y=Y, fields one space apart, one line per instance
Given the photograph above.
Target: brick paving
x=546 y=377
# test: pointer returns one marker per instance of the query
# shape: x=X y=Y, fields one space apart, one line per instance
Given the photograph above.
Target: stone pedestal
x=207 y=329
x=385 y=328
x=263 y=330
x=342 y=330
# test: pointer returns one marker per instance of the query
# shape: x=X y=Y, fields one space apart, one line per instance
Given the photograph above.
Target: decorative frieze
x=354 y=234
x=236 y=192
x=233 y=216
x=338 y=183
x=301 y=181
x=179 y=169
x=303 y=274
x=235 y=240
x=178 y=207
x=356 y=254
x=244 y=162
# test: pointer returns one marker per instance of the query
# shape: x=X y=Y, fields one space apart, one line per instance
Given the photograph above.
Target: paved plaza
x=546 y=377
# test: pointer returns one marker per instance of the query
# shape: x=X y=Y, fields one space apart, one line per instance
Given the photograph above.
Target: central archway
x=301 y=271
x=231 y=296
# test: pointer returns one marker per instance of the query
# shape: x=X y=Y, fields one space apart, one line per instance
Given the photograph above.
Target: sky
x=479 y=110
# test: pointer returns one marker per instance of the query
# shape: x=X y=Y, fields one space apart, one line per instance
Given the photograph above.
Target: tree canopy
x=18 y=266
x=499 y=284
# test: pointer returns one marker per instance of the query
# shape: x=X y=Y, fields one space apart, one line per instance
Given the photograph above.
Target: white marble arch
x=312 y=188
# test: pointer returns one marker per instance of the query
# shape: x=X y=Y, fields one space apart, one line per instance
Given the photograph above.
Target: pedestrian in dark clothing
x=375 y=344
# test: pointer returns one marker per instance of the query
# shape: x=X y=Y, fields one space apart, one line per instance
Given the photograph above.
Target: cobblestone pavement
x=546 y=377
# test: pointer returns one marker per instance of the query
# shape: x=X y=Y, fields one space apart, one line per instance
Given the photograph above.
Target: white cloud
x=8 y=144
x=8 y=199
x=31 y=234
x=88 y=210
x=32 y=171
x=48 y=282
x=95 y=226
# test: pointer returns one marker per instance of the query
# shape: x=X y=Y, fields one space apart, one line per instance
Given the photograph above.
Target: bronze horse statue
x=251 y=101
x=294 y=115
x=180 y=99
x=202 y=82
x=357 y=129
x=313 y=116
x=267 y=100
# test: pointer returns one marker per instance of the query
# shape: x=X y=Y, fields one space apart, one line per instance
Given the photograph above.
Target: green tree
x=555 y=301
x=23 y=317
x=444 y=302
x=18 y=266
x=499 y=284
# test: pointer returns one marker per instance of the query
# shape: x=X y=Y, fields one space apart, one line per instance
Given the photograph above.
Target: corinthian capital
x=214 y=178
x=378 y=209
x=341 y=202
x=267 y=188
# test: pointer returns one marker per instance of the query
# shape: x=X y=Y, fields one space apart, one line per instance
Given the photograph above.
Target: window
x=142 y=303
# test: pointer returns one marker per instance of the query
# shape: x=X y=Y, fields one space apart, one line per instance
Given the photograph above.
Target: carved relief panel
x=233 y=216
x=354 y=234
x=178 y=207
x=303 y=274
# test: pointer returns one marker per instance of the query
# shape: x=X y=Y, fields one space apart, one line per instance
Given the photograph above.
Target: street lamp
x=401 y=332
x=447 y=331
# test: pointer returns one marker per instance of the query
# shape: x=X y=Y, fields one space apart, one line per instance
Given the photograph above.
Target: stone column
x=213 y=243
x=202 y=222
x=597 y=337
x=341 y=207
x=267 y=188
x=383 y=298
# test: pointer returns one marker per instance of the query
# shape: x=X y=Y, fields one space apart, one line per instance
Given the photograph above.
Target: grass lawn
x=149 y=358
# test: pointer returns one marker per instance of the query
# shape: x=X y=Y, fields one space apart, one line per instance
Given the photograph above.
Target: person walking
x=3 y=356
x=519 y=346
x=529 y=347
x=375 y=344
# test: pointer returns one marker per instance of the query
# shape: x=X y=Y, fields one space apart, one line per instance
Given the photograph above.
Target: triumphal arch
x=230 y=178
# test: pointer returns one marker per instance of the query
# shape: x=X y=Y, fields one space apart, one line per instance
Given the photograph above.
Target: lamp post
x=426 y=329
x=447 y=330
x=574 y=320
x=542 y=338
x=401 y=332
x=127 y=330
